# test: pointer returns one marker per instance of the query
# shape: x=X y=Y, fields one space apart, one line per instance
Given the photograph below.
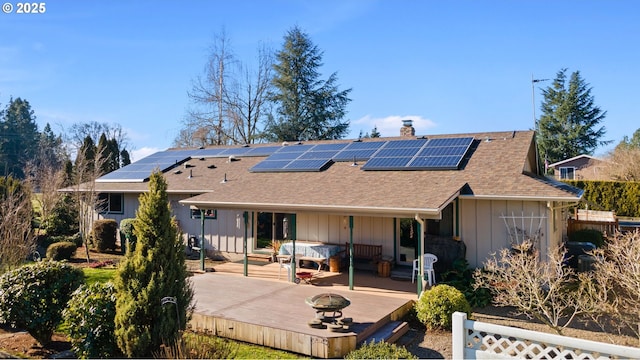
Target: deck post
x=350 y=252
x=244 y=243
x=201 y=240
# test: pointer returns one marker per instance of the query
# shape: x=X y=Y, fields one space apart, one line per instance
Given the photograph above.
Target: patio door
x=274 y=226
x=408 y=241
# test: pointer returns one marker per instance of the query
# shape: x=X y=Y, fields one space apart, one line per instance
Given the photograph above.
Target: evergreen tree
x=88 y=152
x=569 y=123
x=50 y=149
x=18 y=137
x=375 y=133
x=307 y=107
x=125 y=158
x=109 y=154
x=155 y=269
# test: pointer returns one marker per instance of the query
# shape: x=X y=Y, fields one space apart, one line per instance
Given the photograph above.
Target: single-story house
x=581 y=167
x=461 y=195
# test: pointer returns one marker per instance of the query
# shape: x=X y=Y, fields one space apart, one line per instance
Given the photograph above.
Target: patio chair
x=427 y=262
x=285 y=262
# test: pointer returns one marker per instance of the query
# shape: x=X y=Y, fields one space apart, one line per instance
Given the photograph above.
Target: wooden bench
x=365 y=256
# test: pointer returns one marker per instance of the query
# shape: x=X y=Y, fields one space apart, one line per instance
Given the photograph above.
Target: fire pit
x=328 y=302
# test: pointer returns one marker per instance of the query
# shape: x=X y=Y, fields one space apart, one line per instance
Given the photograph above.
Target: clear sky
x=451 y=66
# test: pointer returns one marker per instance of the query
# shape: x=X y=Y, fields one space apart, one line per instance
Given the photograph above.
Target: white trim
x=574 y=158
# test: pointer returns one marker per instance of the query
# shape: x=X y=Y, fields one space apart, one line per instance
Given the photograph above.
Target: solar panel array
x=166 y=160
x=434 y=154
x=409 y=154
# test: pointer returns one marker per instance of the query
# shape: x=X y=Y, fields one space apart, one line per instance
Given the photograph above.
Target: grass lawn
x=98 y=275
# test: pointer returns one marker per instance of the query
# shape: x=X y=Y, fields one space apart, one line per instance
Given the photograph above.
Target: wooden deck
x=263 y=310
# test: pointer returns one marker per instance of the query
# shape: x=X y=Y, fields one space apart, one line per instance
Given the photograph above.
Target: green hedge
x=623 y=197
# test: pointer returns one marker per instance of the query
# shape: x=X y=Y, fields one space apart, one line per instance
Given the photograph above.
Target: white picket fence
x=478 y=340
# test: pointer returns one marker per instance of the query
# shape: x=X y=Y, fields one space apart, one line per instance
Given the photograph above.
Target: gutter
x=334 y=209
x=523 y=198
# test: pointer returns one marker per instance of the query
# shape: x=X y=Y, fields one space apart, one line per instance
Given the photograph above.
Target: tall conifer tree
x=155 y=269
x=569 y=125
x=307 y=107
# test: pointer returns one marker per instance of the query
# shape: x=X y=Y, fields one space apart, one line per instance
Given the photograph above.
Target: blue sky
x=451 y=66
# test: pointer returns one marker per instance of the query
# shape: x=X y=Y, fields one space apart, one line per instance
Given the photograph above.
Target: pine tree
x=154 y=270
x=569 y=123
x=307 y=107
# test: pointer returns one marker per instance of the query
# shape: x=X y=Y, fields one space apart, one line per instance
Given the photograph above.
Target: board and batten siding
x=329 y=228
x=483 y=229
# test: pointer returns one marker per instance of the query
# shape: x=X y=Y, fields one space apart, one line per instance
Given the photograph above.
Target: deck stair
x=259 y=257
x=389 y=332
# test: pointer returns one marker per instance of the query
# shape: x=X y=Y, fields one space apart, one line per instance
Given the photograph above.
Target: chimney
x=407 y=128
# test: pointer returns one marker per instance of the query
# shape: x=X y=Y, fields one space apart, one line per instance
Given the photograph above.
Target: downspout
x=395 y=239
x=420 y=254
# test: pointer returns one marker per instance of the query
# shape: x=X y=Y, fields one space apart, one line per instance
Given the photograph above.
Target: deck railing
x=478 y=340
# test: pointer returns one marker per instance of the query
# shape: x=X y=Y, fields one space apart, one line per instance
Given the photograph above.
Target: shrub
x=63 y=250
x=32 y=297
x=63 y=219
x=588 y=235
x=89 y=321
x=380 y=350
x=126 y=227
x=104 y=234
x=436 y=306
x=460 y=276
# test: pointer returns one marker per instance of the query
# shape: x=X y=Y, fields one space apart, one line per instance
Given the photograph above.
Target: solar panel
x=464 y=141
x=329 y=147
x=435 y=162
x=358 y=155
x=307 y=165
x=442 y=151
x=397 y=152
x=413 y=143
x=318 y=154
x=295 y=148
x=235 y=151
x=270 y=166
x=283 y=156
x=386 y=163
x=365 y=145
x=263 y=151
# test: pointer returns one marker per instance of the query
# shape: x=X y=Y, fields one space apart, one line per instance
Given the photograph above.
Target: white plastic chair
x=285 y=262
x=427 y=262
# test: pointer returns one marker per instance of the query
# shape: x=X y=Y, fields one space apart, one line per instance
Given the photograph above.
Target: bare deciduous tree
x=17 y=239
x=615 y=286
x=85 y=173
x=623 y=164
x=543 y=290
x=229 y=99
x=47 y=180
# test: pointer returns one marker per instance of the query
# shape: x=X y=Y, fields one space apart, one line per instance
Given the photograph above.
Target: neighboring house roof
x=497 y=166
x=573 y=159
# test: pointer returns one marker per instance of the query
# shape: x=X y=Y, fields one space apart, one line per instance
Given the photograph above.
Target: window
x=208 y=213
x=110 y=203
x=567 y=173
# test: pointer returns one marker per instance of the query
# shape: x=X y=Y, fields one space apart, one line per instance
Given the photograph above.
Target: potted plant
x=275 y=249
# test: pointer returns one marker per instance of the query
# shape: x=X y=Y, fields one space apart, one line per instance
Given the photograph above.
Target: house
x=462 y=195
x=581 y=167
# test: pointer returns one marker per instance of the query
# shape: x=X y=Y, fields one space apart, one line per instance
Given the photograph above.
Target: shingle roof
x=500 y=167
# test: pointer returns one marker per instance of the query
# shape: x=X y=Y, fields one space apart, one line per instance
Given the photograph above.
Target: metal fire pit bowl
x=328 y=302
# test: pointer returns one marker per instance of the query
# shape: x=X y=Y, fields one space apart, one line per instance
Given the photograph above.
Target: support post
x=420 y=259
x=201 y=240
x=244 y=243
x=350 y=252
